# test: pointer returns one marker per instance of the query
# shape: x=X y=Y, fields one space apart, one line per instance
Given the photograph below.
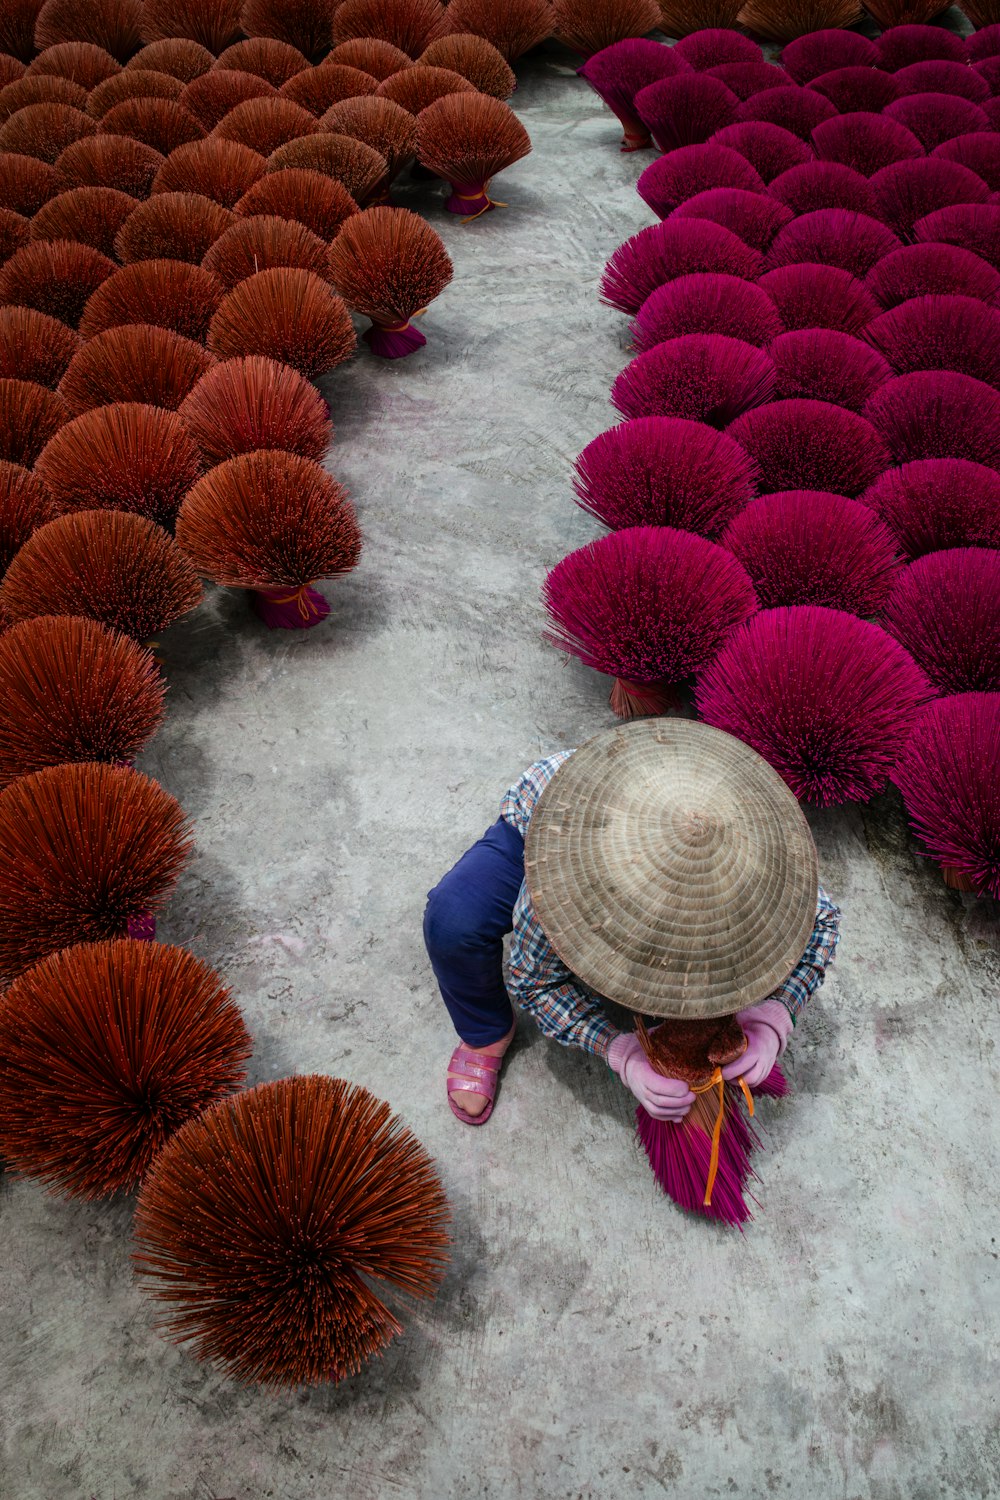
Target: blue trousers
x=469 y=912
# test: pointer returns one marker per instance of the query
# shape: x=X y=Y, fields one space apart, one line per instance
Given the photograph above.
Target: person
x=668 y=868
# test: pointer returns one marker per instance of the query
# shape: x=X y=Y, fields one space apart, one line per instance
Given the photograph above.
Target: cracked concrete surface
x=589 y=1341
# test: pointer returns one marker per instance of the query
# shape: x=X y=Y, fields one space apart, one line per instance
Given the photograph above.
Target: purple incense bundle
x=752 y=217
x=945 y=610
x=947 y=776
x=790 y=108
x=865 y=141
x=822 y=364
x=811 y=445
x=769 y=149
x=810 y=296
x=748 y=78
x=706 y=302
x=618 y=72
x=671 y=180
x=827 y=699
x=832 y=237
x=685 y=110
x=936 y=503
x=648 y=606
x=940 y=333
x=908 y=190
x=982 y=44
x=703 y=377
x=989 y=71
x=853 y=89
x=665 y=251
x=970 y=226
x=824 y=184
x=935 y=118
x=979 y=151
x=806 y=547
x=902 y=46
x=811 y=56
x=664 y=471
x=937 y=76
x=933 y=270
x=938 y=414
x=710 y=47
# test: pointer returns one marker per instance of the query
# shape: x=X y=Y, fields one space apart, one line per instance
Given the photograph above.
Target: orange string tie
x=717 y=1081
x=299 y=598
x=474 y=198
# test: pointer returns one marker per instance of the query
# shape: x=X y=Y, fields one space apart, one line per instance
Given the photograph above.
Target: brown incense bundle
x=214 y=24
x=84 y=849
x=261 y=1224
x=287 y=315
x=131 y=83
x=87 y=215
x=25 y=504
x=275 y=62
x=111 y=24
x=416 y=87
x=134 y=362
x=83 y=62
x=108 y=1048
x=319 y=89
x=370 y=55
x=11 y=69
x=172 y=226
x=17 y=28
x=106 y=565
x=29 y=416
x=163 y=124
x=513 y=27
x=590 y=25
x=784 y=22
x=467 y=139
x=34 y=346
x=475 y=59
x=262 y=243
x=178 y=56
x=320 y=203
x=379 y=123
x=57 y=278
x=305 y=24
x=40 y=88
x=410 y=25
x=114 y=161
x=211 y=96
x=351 y=162
x=71 y=690
x=388 y=263
x=218 y=169
x=683 y=20
x=246 y=404
x=266 y=124
x=25 y=183
x=126 y=457
x=15 y=231
x=45 y=130
x=169 y=293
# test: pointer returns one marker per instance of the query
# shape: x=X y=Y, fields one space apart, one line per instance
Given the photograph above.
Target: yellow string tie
x=717 y=1081
x=300 y=599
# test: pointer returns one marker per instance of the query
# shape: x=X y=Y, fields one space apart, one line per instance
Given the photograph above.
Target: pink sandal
x=482 y=1070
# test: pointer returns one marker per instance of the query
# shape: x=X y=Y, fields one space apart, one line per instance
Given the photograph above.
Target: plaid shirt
x=570 y=1011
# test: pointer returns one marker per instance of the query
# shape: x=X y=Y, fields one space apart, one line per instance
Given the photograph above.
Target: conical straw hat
x=672 y=869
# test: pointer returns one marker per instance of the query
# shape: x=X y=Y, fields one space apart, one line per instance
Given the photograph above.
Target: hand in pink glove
x=663 y=1098
x=767 y=1028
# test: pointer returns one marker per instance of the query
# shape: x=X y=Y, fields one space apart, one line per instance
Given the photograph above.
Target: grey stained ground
x=589 y=1341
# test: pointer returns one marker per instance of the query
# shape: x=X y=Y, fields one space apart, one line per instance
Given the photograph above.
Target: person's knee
x=446 y=924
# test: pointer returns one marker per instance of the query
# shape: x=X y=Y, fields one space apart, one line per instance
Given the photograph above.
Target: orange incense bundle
x=287 y=315
x=359 y=168
x=276 y=62
x=45 y=130
x=409 y=25
x=25 y=504
x=310 y=198
x=266 y=124
x=163 y=124
x=115 y=161
x=319 y=89
x=370 y=54
x=178 y=56
x=211 y=96
x=136 y=362
x=380 y=124
x=246 y=404
x=56 y=277
x=475 y=59
x=513 y=27
x=416 y=87
x=131 y=83
x=86 y=215
x=590 y=25
x=40 y=88
x=29 y=416
x=388 y=263
x=217 y=169
x=262 y=242
x=272 y=523
x=467 y=139
x=83 y=62
x=169 y=293
x=214 y=24
x=111 y=24
x=34 y=347
x=303 y=24
x=26 y=183
x=172 y=226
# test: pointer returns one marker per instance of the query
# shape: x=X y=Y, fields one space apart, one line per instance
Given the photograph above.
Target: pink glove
x=663 y=1098
x=767 y=1028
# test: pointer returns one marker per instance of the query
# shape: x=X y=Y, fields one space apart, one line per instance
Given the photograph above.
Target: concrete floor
x=589 y=1340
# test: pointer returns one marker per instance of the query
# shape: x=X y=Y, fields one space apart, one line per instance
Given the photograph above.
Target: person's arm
x=519 y=801
x=540 y=983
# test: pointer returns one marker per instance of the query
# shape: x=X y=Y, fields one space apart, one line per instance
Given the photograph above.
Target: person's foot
x=464 y=1099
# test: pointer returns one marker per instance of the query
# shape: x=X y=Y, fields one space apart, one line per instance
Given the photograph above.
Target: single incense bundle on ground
x=45 y=130
x=211 y=97
x=685 y=110
x=83 y=62
x=822 y=364
x=25 y=504
x=707 y=303
x=136 y=362
x=214 y=24
x=265 y=124
x=246 y=404
x=827 y=699
x=275 y=1288
x=34 y=346
x=467 y=139
x=287 y=315
x=111 y=24
x=88 y=215
x=163 y=124
x=380 y=124
x=276 y=62
x=261 y=243
x=805 y=547
x=945 y=609
x=318 y=202
x=26 y=183
x=318 y=89
x=56 y=278
x=618 y=72
x=272 y=523
x=933 y=270
x=388 y=264
x=938 y=414
x=108 y=1048
x=358 y=167
x=753 y=217
x=218 y=169
x=809 y=57
x=110 y=566
x=178 y=56
x=370 y=55
x=29 y=416
x=769 y=149
x=588 y=26
x=126 y=457
x=940 y=333
x=172 y=226
x=648 y=606
x=824 y=184
x=704 y=377
x=167 y=293
x=513 y=27
x=811 y=445
x=477 y=60
x=663 y=471
x=672 y=180
x=71 y=690
x=947 y=775
x=304 y=24
x=908 y=190
x=832 y=237
x=410 y=25
x=936 y=503
x=114 y=161
x=663 y=252
x=83 y=849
